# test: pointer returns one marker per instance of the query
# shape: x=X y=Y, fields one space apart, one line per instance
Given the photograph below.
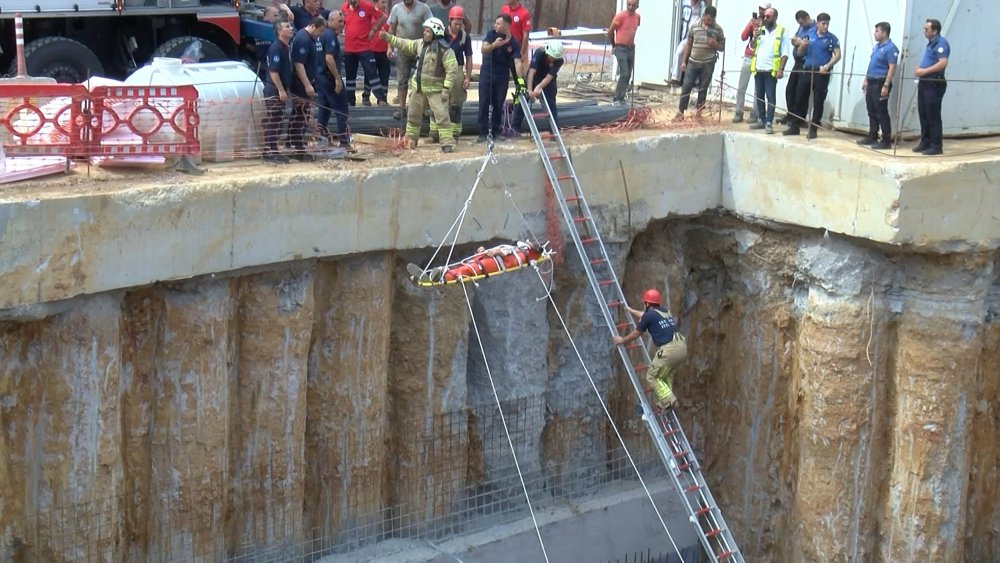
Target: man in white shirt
x=768 y=66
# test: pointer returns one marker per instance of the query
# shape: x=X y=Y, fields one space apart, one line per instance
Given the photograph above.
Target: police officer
x=806 y=28
x=543 y=75
x=304 y=66
x=877 y=85
x=279 y=78
x=671 y=346
x=931 y=88
x=820 y=50
x=332 y=95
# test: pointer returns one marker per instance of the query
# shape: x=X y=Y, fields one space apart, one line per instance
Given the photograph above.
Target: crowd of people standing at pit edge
x=317 y=55
x=814 y=52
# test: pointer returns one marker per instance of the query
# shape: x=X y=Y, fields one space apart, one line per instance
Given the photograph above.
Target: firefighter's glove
x=521 y=88
x=445 y=97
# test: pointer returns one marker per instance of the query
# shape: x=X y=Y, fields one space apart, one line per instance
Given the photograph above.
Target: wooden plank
x=373 y=140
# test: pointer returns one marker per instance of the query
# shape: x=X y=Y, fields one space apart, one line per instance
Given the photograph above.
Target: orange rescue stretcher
x=483 y=264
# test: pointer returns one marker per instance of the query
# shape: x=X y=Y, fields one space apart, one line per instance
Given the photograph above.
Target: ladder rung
x=683 y=466
x=692 y=488
x=633 y=346
x=579 y=219
x=725 y=554
x=713 y=533
x=573 y=198
x=639 y=367
x=555 y=156
x=588 y=240
x=606 y=282
x=681 y=453
x=703 y=511
x=597 y=261
x=669 y=433
x=566 y=177
x=620 y=326
x=614 y=303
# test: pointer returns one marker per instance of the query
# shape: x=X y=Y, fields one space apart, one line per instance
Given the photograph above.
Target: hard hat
x=651 y=296
x=456 y=13
x=436 y=27
x=554 y=49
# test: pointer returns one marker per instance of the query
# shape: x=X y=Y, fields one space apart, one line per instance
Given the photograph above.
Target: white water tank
x=230 y=102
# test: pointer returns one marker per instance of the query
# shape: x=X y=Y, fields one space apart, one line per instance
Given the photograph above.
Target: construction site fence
x=449 y=474
x=74 y=121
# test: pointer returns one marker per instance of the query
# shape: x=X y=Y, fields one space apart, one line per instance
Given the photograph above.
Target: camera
x=755 y=15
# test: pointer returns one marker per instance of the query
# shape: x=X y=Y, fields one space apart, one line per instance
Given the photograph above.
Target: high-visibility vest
x=779 y=34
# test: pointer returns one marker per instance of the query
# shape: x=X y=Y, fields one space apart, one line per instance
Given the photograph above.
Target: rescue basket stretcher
x=481 y=265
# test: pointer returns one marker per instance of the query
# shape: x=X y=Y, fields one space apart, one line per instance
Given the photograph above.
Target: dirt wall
x=841 y=397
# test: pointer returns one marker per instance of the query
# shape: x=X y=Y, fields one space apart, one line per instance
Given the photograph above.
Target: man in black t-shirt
x=303 y=52
x=501 y=58
x=279 y=79
x=330 y=90
x=671 y=346
x=543 y=75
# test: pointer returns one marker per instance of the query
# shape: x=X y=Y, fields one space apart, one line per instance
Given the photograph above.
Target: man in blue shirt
x=543 y=76
x=671 y=346
x=330 y=90
x=806 y=28
x=877 y=85
x=304 y=66
x=501 y=58
x=931 y=88
x=279 y=79
x=820 y=51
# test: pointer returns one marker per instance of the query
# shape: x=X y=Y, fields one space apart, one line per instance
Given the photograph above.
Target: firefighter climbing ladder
x=664 y=426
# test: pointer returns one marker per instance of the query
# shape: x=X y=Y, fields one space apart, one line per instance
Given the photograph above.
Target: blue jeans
x=331 y=103
x=765 y=84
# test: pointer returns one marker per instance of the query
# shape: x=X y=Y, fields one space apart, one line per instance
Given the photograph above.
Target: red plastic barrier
x=44 y=119
x=145 y=120
x=66 y=119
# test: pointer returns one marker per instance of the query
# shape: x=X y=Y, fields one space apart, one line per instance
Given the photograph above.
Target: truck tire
x=66 y=60
x=175 y=47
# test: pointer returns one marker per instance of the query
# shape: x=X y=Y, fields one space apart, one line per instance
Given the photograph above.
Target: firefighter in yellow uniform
x=432 y=81
x=671 y=346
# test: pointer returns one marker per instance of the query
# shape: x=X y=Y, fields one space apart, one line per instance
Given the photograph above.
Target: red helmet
x=456 y=13
x=651 y=296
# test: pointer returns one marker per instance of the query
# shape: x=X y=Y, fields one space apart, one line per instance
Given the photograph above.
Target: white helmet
x=436 y=27
x=554 y=49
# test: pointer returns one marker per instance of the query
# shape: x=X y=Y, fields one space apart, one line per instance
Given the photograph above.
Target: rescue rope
x=607 y=413
x=456 y=226
x=503 y=420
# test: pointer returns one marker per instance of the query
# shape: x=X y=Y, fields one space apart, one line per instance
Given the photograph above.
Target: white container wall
x=230 y=105
x=970 y=105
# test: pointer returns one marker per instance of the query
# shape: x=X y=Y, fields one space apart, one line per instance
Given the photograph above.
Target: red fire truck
x=71 y=40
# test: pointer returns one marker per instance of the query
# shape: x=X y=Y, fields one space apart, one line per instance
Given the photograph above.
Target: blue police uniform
x=540 y=62
x=328 y=100
x=819 y=52
x=796 y=75
x=883 y=55
x=304 y=18
x=303 y=51
x=930 y=92
x=497 y=66
x=278 y=61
